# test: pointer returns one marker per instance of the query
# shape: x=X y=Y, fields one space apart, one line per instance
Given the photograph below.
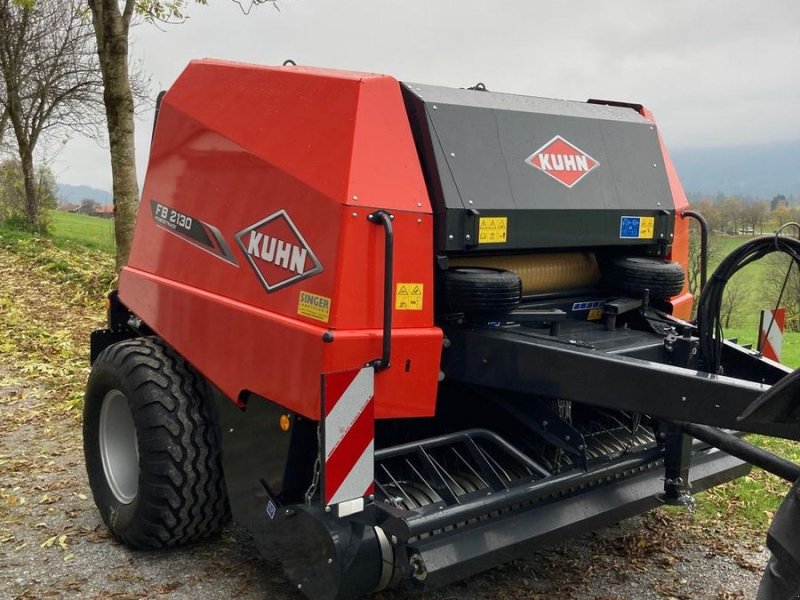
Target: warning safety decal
x=408 y=296
x=492 y=230
x=314 y=306
x=637 y=228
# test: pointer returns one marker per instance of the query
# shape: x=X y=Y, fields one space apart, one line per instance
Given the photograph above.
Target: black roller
x=327 y=558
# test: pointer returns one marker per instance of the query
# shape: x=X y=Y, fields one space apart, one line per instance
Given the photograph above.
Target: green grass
x=750 y=281
x=92 y=232
x=757 y=296
x=67 y=261
x=790 y=356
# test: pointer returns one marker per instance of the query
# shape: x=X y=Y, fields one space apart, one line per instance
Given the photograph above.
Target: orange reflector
x=285 y=423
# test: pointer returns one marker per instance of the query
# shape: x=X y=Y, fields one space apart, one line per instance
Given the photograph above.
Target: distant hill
x=73 y=194
x=758 y=171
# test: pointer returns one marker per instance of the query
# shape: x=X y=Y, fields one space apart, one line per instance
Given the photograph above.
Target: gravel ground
x=53 y=544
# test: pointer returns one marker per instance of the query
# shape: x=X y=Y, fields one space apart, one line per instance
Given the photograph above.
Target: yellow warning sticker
x=492 y=230
x=408 y=296
x=314 y=306
x=595 y=314
x=647 y=227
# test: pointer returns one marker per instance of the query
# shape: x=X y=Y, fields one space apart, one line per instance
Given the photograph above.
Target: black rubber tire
x=181 y=495
x=781 y=579
x=474 y=290
x=631 y=275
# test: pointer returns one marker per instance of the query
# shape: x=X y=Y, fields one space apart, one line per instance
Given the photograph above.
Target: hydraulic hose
x=709 y=322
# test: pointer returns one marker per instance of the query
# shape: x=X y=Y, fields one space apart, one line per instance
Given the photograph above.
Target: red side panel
x=253 y=239
x=681 y=304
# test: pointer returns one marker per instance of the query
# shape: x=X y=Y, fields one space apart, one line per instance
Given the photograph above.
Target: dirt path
x=53 y=544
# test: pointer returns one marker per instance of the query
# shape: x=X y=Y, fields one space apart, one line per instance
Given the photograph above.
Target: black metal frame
x=736 y=447
x=523 y=361
x=122 y=325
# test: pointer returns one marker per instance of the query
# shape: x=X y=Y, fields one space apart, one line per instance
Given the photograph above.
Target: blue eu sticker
x=629 y=227
x=271 y=509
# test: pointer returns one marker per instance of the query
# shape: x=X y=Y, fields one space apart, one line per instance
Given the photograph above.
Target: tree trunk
x=111 y=29
x=31 y=191
x=119 y=111
x=3 y=126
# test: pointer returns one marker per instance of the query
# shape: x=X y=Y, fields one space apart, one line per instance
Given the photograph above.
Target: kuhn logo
x=277 y=251
x=564 y=162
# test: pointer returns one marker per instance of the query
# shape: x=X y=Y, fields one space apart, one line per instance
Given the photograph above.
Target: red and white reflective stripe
x=770 y=336
x=348 y=427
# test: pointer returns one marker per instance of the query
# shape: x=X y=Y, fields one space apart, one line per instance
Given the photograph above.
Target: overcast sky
x=715 y=73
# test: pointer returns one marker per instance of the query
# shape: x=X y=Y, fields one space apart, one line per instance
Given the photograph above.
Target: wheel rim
x=118 y=447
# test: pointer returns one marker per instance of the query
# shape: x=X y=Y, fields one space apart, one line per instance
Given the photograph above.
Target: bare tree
x=754 y=214
x=776 y=284
x=731 y=208
x=734 y=297
x=792 y=302
x=760 y=215
x=49 y=77
x=112 y=21
x=695 y=260
x=12 y=191
x=712 y=212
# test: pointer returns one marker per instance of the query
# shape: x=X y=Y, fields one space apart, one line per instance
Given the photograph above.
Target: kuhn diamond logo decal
x=564 y=162
x=277 y=251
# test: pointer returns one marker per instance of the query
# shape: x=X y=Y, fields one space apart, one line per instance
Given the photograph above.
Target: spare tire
x=474 y=290
x=632 y=275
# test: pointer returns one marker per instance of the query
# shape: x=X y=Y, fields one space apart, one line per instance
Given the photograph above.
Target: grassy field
x=92 y=232
x=756 y=294
x=749 y=335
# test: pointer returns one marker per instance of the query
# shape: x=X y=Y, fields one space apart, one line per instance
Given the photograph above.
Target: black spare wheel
x=474 y=290
x=631 y=275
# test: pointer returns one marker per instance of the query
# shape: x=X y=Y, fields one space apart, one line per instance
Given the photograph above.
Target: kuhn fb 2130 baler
x=405 y=333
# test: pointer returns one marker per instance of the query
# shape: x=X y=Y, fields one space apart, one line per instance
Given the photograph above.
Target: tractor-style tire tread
x=181 y=495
